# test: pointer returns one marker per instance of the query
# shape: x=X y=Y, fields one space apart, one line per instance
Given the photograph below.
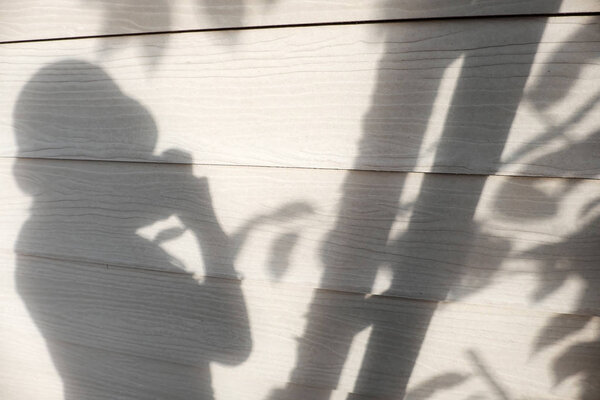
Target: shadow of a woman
x=120 y=316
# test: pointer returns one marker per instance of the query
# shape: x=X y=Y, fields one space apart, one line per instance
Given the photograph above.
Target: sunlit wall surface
x=281 y=200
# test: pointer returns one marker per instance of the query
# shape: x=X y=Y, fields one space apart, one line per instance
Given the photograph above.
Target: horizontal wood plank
x=516 y=97
x=34 y=19
x=140 y=331
x=143 y=278
x=491 y=240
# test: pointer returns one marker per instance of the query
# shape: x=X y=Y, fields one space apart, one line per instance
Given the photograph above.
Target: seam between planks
x=258 y=166
x=140 y=269
x=307 y=25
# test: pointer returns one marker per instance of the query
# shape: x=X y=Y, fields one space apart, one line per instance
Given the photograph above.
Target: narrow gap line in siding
x=308 y=25
x=116 y=266
x=222 y=165
x=131 y=268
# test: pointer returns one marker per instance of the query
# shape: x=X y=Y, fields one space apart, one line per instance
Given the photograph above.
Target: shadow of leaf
x=581 y=359
x=433 y=385
x=281 y=250
x=558 y=328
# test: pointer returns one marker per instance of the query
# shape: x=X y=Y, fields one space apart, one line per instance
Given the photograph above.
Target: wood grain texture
x=490 y=240
x=511 y=97
x=148 y=279
x=34 y=19
x=124 y=332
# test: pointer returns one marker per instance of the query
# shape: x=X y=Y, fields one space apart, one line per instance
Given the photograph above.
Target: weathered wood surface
x=147 y=279
x=35 y=19
x=145 y=326
x=515 y=97
x=492 y=240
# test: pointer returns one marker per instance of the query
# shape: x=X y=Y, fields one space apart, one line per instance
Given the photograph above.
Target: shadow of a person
x=116 y=325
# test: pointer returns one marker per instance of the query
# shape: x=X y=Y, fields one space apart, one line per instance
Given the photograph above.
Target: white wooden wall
x=301 y=207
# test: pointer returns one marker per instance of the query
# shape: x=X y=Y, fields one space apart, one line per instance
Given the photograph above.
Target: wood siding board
x=469 y=97
x=365 y=212
x=131 y=321
x=526 y=235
